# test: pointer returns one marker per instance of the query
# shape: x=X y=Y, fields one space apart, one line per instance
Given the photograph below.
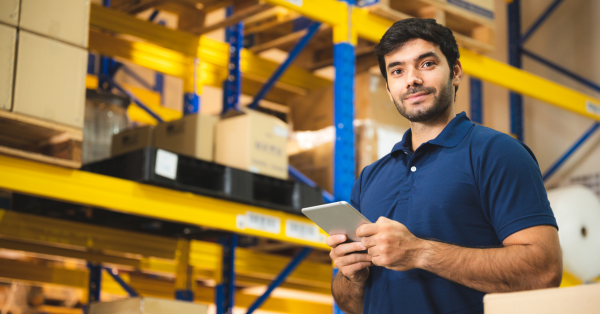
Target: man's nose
x=414 y=79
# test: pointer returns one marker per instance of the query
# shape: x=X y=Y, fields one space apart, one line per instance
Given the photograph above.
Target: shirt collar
x=452 y=134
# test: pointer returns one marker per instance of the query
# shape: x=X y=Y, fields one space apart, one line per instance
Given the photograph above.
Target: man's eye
x=428 y=64
x=396 y=72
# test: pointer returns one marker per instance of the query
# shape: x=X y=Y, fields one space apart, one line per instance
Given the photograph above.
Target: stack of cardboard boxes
x=377 y=127
x=43 y=46
x=250 y=141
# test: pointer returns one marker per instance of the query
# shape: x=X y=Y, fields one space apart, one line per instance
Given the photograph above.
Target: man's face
x=419 y=80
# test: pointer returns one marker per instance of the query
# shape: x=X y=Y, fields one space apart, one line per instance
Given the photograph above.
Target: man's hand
x=390 y=244
x=355 y=267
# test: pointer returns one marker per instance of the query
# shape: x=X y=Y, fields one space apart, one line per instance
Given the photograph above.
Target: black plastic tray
x=211 y=179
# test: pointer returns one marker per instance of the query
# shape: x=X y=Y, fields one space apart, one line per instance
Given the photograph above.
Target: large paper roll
x=577 y=212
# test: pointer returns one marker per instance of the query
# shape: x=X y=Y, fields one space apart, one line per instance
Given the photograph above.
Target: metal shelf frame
x=516 y=42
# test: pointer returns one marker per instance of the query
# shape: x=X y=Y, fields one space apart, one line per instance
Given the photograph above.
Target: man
x=460 y=209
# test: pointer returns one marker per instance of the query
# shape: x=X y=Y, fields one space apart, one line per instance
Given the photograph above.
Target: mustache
x=418 y=89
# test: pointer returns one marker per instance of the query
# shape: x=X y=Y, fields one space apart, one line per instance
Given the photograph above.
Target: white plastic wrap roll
x=577 y=212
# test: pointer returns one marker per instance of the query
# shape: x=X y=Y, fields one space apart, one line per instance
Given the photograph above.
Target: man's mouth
x=416 y=97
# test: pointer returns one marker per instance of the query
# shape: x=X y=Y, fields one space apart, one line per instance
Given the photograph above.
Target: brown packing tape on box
x=192 y=135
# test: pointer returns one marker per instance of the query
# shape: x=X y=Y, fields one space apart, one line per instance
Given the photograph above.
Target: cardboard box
x=8 y=37
x=192 y=135
x=50 y=80
x=373 y=141
x=146 y=305
x=9 y=11
x=254 y=142
x=132 y=139
x=316 y=164
x=66 y=20
x=579 y=299
x=315 y=110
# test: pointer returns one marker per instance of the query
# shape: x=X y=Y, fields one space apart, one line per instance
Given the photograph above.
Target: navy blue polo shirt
x=471 y=186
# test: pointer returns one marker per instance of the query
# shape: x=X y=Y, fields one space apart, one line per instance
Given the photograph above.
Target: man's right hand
x=355 y=267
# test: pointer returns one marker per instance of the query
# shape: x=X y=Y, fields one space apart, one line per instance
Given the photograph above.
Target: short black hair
x=408 y=29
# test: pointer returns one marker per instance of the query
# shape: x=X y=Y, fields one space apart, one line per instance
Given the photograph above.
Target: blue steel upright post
x=225 y=290
x=191 y=100
x=476 y=93
x=515 y=59
x=159 y=78
x=95 y=282
x=232 y=87
x=344 y=61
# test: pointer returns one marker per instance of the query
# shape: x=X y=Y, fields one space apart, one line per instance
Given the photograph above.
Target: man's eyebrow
x=427 y=55
x=422 y=56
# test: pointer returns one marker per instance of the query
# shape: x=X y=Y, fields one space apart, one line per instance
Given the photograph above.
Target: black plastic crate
x=211 y=179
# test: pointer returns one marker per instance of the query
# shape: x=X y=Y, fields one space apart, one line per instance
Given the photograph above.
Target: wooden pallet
x=471 y=30
x=36 y=139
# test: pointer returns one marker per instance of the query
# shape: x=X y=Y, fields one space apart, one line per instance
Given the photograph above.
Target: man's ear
x=458 y=73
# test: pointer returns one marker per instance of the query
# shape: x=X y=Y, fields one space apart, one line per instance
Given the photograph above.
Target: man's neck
x=428 y=130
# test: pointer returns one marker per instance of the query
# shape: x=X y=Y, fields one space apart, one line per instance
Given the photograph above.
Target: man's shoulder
x=487 y=142
x=483 y=134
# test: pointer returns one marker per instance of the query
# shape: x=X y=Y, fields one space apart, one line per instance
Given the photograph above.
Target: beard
x=441 y=102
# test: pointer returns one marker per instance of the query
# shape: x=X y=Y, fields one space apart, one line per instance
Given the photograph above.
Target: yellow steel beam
x=91 y=81
x=78 y=278
x=326 y=11
x=172 y=49
x=91 y=256
x=53 y=236
x=34 y=228
x=144 y=200
x=18 y=270
x=148 y=55
x=529 y=84
x=123 y=23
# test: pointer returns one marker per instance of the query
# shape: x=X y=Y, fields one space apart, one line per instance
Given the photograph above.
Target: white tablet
x=337 y=218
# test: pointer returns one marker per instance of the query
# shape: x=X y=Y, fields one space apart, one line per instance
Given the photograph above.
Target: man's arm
x=348 y=295
x=348 y=286
x=530 y=259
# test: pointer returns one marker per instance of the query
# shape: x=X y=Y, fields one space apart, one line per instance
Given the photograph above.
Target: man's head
x=419 y=60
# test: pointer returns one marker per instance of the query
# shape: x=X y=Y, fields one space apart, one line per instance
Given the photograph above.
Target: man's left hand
x=391 y=244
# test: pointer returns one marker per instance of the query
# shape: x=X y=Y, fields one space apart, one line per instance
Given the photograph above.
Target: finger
x=335 y=240
x=373 y=252
x=366 y=230
x=368 y=241
x=351 y=270
x=345 y=260
x=346 y=248
x=382 y=219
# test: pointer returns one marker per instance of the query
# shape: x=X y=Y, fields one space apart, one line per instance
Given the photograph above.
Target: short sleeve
x=511 y=187
x=356 y=190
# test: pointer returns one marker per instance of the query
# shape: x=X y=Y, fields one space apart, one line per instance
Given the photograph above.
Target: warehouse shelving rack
x=200 y=61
